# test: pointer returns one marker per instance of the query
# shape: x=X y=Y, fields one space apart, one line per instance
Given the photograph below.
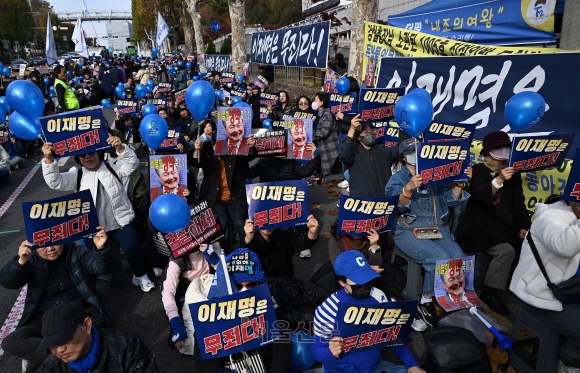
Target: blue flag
x=219 y=286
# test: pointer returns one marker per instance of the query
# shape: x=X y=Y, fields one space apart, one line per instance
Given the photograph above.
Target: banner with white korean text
x=358 y=215
x=218 y=62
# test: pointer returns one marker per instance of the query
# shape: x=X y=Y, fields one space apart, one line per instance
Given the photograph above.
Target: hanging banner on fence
x=168 y=175
x=572 y=191
x=302 y=46
x=261 y=83
x=180 y=95
x=173 y=139
x=539 y=152
x=158 y=102
x=442 y=162
x=270 y=142
x=160 y=88
x=76 y=132
x=448 y=131
x=60 y=220
x=228 y=77
x=130 y=106
x=387 y=133
x=278 y=204
x=504 y=22
x=378 y=104
x=203 y=228
x=330 y=79
x=234 y=323
x=234 y=126
x=358 y=215
x=454 y=284
x=272 y=99
x=305 y=114
x=218 y=62
x=299 y=135
x=345 y=104
x=374 y=325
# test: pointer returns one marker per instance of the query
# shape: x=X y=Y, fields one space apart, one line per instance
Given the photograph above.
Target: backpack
x=455 y=350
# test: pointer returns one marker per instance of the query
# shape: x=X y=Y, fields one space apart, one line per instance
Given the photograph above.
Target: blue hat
x=354 y=266
x=407 y=146
x=244 y=266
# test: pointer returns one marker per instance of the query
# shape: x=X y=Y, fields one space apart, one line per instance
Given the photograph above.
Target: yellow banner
x=388 y=41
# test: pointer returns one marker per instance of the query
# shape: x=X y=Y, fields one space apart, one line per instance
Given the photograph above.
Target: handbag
x=427 y=233
x=567 y=292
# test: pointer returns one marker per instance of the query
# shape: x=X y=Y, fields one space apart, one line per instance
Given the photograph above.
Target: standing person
x=66 y=98
x=181 y=78
x=496 y=219
x=106 y=80
x=285 y=107
x=339 y=66
x=142 y=75
x=325 y=135
x=555 y=233
x=254 y=101
x=123 y=73
x=106 y=182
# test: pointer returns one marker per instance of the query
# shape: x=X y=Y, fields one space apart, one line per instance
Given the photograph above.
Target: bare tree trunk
x=196 y=20
x=238 y=18
x=187 y=27
x=362 y=11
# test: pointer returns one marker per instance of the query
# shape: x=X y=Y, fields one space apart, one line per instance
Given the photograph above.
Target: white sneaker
x=343 y=184
x=157 y=271
x=347 y=189
x=144 y=282
x=305 y=254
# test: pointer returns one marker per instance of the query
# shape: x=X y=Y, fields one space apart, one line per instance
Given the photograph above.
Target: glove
x=179 y=333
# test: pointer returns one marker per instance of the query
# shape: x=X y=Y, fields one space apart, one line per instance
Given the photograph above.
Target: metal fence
x=296 y=75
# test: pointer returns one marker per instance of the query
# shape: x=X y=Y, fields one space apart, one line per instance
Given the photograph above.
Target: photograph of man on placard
x=168 y=175
x=299 y=139
x=233 y=130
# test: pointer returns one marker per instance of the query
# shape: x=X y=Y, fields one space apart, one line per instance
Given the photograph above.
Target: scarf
x=88 y=362
x=493 y=164
x=376 y=178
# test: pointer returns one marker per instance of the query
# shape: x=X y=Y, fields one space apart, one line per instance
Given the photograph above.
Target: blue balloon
x=422 y=92
x=198 y=64
x=2 y=115
x=124 y=95
x=46 y=80
x=169 y=213
x=5 y=105
x=1 y=66
x=179 y=63
x=106 y=103
x=302 y=358
x=149 y=109
x=342 y=85
x=219 y=94
x=70 y=57
x=140 y=91
x=267 y=123
x=200 y=74
x=188 y=65
x=240 y=77
x=93 y=54
x=23 y=127
x=523 y=110
x=236 y=100
x=51 y=94
x=81 y=78
x=170 y=80
x=154 y=51
x=149 y=89
x=195 y=78
x=7 y=72
x=413 y=113
x=243 y=104
x=26 y=98
x=199 y=99
x=150 y=83
x=51 y=89
x=121 y=84
x=153 y=129
x=119 y=91
x=75 y=81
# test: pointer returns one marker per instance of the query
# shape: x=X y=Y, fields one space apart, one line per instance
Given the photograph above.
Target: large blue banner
x=76 y=132
x=490 y=22
x=358 y=215
x=374 y=325
x=345 y=104
x=378 y=104
x=234 y=323
x=539 y=152
x=442 y=162
x=302 y=46
x=218 y=62
x=60 y=220
x=278 y=204
x=572 y=191
x=474 y=90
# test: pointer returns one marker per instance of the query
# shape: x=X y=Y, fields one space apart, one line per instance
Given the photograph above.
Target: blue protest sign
x=157 y=102
x=378 y=104
x=301 y=46
x=358 y=215
x=218 y=62
x=504 y=22
x=342 y=104
x=387 y=133
x=76 y=132
x=215 y=26
x=228 y=77
x=438 y=130
x=261 y=83
x=539 y=152
x=374 y=325
x=174 y=138
x=60 y=220
x=180 y=95
x=305 y=114
x=4 y=133
x=278 y=204
x=442 y=162
x=161 y=88
x=264 y=113
x=572 y=191
x=272 y=99
x=234 y=323
x=130 y=106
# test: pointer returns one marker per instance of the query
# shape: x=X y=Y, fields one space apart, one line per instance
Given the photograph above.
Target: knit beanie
x=244 y=266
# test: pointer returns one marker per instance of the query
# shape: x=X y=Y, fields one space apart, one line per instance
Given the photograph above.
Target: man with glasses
x=106 y=182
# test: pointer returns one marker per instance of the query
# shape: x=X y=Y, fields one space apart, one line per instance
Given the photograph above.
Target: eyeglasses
x=247 y=285
x=303 y=103
x=87 y=155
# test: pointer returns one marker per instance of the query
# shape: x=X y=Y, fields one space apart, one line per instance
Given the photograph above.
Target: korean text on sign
x=358 y=215
x=441 y=162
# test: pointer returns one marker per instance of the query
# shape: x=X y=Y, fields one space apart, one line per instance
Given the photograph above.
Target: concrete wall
x=392 y=7
x=570 y=38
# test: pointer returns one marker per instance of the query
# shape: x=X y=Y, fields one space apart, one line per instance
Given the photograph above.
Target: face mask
x=500 y=154
x=368 y=139
x=361 y=291
x=315 y=105
x=412 y=158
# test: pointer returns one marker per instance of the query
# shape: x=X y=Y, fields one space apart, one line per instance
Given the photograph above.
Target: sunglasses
x=303 y=103
x=247 y=285
x=87 y=155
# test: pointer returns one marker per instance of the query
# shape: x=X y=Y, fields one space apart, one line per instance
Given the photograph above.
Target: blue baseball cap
x=354 y=266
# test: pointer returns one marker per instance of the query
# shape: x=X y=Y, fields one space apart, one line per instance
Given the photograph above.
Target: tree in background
x=210 y=47
x=363 y=11
x=238 y=18
x=226 y=47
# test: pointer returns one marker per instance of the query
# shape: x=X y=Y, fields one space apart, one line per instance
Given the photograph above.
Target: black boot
x=490 y=298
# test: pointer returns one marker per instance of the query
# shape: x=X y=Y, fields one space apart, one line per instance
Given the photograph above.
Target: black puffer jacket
x=80 y=262
x=119 y=352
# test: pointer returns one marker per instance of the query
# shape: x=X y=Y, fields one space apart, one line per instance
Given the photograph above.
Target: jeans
x=387 y=367
x=126 y=238
x=230 y=218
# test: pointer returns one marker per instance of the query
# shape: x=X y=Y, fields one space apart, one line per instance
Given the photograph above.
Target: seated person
x=276 y=247
x=76 y=345
x=355 y=276
x=48 y=273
